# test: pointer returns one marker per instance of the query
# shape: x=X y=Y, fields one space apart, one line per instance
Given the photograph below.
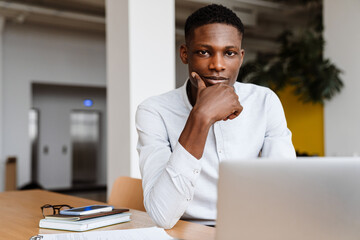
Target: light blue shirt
x=177 y=185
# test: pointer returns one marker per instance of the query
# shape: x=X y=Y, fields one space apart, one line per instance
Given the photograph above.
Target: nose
x=217 y=63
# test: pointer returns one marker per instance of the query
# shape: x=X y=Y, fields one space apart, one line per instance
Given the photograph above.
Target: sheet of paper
x=128 y=234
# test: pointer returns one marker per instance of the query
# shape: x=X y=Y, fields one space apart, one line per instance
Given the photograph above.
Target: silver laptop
x=302 y=199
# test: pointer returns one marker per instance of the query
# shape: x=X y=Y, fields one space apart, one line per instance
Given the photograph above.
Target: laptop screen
x=304 y=198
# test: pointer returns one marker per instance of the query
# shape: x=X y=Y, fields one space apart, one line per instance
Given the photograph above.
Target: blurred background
x=73 y=71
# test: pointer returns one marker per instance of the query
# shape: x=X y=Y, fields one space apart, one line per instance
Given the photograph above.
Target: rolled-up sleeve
x=277 y=141
x=169 y=174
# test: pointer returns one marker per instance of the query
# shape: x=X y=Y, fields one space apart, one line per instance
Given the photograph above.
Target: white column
x=2 y=160
x=342 y=114
x=140 y=63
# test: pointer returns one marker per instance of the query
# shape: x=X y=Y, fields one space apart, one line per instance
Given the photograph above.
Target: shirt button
x=196 y=171
x=220 y=151
x=188 y=199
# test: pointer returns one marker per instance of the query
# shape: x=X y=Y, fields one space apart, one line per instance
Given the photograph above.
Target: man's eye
x=230 y=53
x=203 y=52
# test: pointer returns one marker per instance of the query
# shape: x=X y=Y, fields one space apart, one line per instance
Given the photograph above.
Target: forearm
x=169 y=172
x=193 y=137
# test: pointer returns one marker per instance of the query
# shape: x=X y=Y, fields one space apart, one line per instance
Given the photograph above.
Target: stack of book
x=85 y=222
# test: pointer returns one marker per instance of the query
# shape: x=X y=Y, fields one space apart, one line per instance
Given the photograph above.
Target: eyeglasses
x=48 y=209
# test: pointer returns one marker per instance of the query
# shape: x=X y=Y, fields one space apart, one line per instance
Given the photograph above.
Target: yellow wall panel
x=306 y=122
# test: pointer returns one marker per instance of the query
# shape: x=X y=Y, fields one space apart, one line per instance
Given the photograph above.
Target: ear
x=242 y=54
x=184 y=53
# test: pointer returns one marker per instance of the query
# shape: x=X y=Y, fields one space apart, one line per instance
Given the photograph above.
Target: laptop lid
x=306 y=198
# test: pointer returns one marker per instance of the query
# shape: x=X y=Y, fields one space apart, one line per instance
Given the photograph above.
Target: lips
x=212 y=80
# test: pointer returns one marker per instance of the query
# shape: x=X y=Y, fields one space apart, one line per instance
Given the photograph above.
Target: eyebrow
x=209 y=46
x=227 y=47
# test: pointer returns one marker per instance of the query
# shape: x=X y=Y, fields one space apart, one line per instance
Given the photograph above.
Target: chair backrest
x=127 y=192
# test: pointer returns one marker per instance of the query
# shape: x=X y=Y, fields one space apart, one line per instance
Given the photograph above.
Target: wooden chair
x=127 y=192
x=10 y=174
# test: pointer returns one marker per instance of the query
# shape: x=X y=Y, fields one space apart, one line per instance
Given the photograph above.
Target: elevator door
x=85 y=139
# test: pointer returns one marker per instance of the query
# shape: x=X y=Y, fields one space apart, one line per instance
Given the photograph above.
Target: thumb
x=200 y=83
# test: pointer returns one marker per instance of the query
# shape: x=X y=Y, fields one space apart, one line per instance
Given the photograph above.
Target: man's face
x=214 y=52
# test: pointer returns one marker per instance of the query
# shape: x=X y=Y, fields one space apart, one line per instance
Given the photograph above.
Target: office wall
x=342 y=114
x=48 y=55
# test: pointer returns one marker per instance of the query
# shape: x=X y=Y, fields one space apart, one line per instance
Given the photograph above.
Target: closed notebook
x=83 y=217
x=84 y=225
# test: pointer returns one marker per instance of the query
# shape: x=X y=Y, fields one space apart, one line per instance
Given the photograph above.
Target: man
x=185 y=133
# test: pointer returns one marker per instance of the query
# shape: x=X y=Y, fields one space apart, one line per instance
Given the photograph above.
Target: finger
x=236 y=113
x=200 y=83
x=232 y=116
x=238 y=109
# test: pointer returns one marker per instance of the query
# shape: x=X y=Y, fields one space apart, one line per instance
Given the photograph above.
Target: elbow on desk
x=166 y=225
x=161 y=221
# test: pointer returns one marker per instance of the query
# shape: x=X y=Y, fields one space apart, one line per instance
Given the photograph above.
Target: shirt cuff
x=182 y=162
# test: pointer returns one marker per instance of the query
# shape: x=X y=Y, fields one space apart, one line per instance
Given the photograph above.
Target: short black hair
x=213 y=13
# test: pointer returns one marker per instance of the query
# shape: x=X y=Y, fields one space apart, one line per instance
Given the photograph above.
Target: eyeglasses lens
x=48 y=210
x=53 y=209
x=62 y=208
